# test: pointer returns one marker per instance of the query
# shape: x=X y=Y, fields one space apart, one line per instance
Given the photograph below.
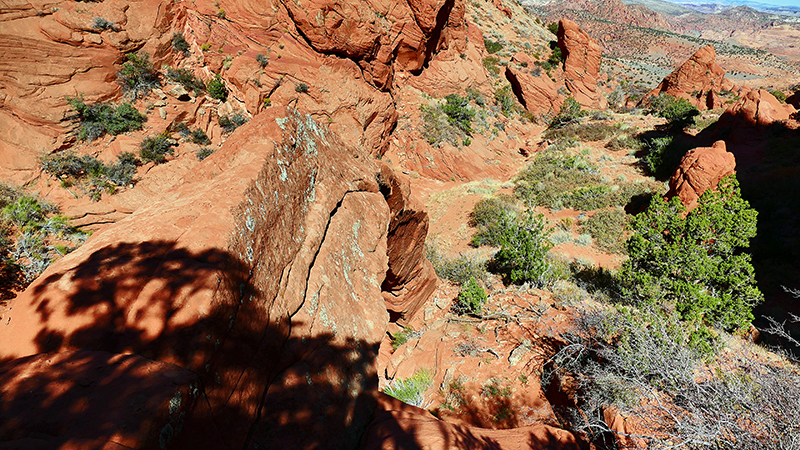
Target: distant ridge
x=716 y=6
x=662 y=7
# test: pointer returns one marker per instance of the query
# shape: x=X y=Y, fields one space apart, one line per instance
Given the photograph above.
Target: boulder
x=700 y=169
x=534 y=90
x=755 y=109
x=581 y=64
x=261 y=271
x=695 y=80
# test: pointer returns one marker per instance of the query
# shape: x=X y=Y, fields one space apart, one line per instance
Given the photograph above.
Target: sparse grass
x=458 y=270
x=412 y=390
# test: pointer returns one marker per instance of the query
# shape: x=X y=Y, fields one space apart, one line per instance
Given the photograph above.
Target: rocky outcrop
x=398 y=426
x=756 y=109
x=538 y=94
x=700 y=169
x=581 y=64
x=696 y=80
x=260 y=273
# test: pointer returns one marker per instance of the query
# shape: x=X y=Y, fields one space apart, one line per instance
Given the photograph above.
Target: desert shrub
x=458 y=270
x=487 y=216
x=137 y=76
x=401 y=337
x=523 y=250
x=231 y=122
x=436 y=126
x=156 y=148
x=204 y=153
x=694 y=262
x=471 y=298
x=262 y=60
x=492 y=46
x=94 y=176
x=476 y=96
x=200 y=137
x=121 y=173
x=186 y=78
x=506 y=100
x=556 y=57
x=678 y=111
x=216 y=88
x=411 y=390
x=624 y=142
x=491 y=63
x=570 y=112
x=301 y=88
x=179 y=43
x=101 y=118
x=607 y=227
x=458 y=112
x=662 y=154
x=25 y=212
x=553 y=28
x=643 y=364
x=100 y=23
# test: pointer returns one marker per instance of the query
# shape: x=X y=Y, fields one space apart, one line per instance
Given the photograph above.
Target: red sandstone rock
x=581 y=65
x=757 y=108
x=538 y=94
x=261 y=271
x=695 y=80
x=397 y=426
x=700 y=169
x=502 y=8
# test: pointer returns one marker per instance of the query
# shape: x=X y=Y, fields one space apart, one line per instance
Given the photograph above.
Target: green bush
x=487 y=215
x=492 y=46
x=186 y=78
x=231 y=122
x=262 y=60
x=204 y=153
x=301 y=88
x=100 y=23
x=779 y=95
x=506 y=100
x=678 y=111
x=216 y=88
x=156 y=148
x=491 y=63
x=553 y=28
x=523 y=250
x=179 y=43
x=663 y=154
x=556 y=57
x=570 y=112
x=24 y=212
x=137 y=76
x=458 y=112
x=695 y=262
x=401 y=337
x=68 y=166
x=200 y=137
x=101 y=118
x=607 y=227
x=471 y=299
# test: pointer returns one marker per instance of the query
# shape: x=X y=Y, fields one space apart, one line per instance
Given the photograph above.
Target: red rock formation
x=756 y=108
x=502 y=8
x=581 y=65
x=695 y=80
x=260 y=271
x=398 y=426
x=538 y=94
x=700 y=169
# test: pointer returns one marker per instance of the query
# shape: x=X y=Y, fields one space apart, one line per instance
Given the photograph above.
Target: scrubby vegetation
x=471 y=298
x=570 y=112
x=216 y=88
x=156 y=148
x=607 y=227
x=138 y=76
x=458 y=270
x=523 y=250
x=412 y=390
x=488 y=215
x=231 y=122
x=678 y=111
x=32 y=235
x=100 y=118
x=186 y=78
x=90 y=174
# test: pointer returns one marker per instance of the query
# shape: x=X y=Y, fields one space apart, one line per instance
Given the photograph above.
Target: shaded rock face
x=700 y=169
x=581 y=65
x=400 y=426
x=256 y=282
x=696 y=80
